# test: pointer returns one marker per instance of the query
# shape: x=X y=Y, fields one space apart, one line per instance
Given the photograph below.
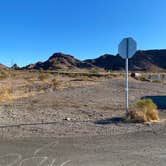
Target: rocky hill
x=150 y=60
x=15 y=67
x=3 y=66
x=108 y=62
x=61 y=61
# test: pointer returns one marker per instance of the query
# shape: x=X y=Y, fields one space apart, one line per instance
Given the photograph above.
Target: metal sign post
x=127 y=87
x=127 y=49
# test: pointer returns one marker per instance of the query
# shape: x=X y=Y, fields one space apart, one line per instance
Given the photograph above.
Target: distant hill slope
x=3 y=66
x=108 y=62
x=61 y=61
x=150 y=60
x=15 y=67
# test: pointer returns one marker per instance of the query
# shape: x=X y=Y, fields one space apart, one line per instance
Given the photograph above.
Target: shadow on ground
x=115 y=120
x=160 y=101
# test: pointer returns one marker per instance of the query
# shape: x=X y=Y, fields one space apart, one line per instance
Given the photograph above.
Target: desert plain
x=72 y=119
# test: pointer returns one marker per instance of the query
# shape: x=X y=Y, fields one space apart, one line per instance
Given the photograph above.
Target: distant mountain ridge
x=143 y=60
x=3 y=66
x=150 y=60
x=61 y=61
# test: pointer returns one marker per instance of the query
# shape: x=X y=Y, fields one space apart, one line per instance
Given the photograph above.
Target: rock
x=15 y=67
x=67 y=119
x=60 y=61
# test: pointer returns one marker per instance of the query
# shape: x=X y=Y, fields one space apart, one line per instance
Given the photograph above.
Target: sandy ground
x=76 y=111
x=80 y=126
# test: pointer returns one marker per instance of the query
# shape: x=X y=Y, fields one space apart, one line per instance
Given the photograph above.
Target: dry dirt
x=88 y=106
x=78 y=123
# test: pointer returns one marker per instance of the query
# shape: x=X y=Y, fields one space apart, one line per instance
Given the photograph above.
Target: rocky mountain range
x=149 y=60
x=61 y=61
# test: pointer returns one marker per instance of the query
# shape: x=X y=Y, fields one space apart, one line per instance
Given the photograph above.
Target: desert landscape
x=77 y=118
x=60 y=112
x=82 y=83
x=80 y=101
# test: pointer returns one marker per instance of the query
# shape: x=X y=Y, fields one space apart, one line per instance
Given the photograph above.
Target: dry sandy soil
x=86 y=106
x=76 y=123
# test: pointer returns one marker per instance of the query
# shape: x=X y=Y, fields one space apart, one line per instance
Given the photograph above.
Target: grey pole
x=127 y=86
x=127 y=103
x=127 y=48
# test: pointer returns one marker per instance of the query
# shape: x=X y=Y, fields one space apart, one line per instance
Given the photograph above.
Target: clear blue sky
x=32 y=30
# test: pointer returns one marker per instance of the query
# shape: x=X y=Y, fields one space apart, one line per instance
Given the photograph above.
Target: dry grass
x=18 y=84
x=3 y=75
x=145 y=111
x=55 y=84
x=158 y=81
x=83 y=78
x=43 y=76
x=4 y=94
x=94 y=71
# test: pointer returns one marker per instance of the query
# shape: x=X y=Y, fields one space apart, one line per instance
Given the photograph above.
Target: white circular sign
x=127 y=48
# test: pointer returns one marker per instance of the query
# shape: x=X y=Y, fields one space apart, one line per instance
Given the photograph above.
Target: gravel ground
x=76 y=111
x=80 y=126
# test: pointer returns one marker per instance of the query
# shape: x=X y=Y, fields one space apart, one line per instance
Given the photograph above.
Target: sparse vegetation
x=4 y=94
x=55 y=84
x=3 y=75
x=83 y=78
x=158 y=81
x=144 y=111
x=142 y=78
x=43 y=76
x=94 y=71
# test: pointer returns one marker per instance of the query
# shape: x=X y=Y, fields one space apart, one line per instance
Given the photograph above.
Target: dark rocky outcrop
x=15 y=67
x=150 y=60
x=60 y=61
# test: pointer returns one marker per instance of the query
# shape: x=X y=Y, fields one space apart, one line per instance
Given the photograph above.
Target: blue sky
x=32 y=30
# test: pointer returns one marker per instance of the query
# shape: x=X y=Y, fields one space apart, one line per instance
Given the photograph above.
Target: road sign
x=127 y=48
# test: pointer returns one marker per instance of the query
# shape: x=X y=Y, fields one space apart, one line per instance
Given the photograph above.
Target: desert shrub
x=4 y=94
x=28 y=78
x=158 y=81
x=94 y=71
x=142 y=78
x=3 y=75
x=83 y=78
x=55 y=84
x=144 y=111
x=43 y=77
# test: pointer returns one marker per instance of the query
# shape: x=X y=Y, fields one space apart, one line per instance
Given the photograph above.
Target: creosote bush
x=144 y=111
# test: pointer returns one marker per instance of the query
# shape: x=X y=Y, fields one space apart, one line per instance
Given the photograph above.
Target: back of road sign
x=127 y=48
